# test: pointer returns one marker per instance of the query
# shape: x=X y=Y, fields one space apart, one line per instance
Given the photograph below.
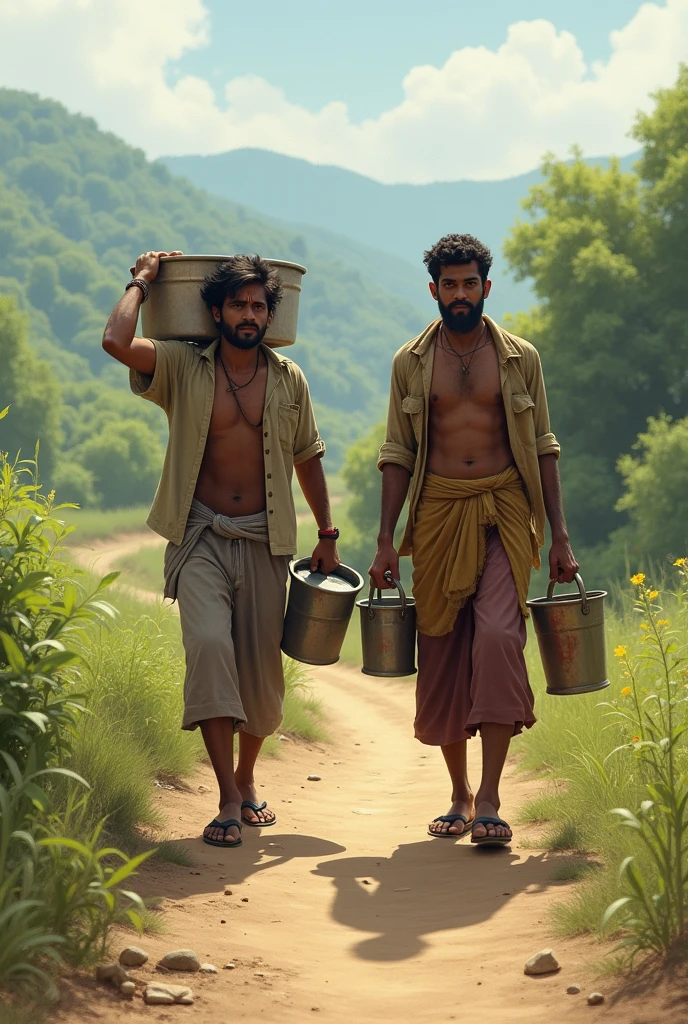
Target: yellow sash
x=449 y=536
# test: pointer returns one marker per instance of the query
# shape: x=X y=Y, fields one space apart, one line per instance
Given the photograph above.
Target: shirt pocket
x=523 y=406
x=413 y=406
x=288 y=423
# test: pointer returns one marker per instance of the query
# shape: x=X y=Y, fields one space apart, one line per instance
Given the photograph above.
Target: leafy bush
x=59 y=890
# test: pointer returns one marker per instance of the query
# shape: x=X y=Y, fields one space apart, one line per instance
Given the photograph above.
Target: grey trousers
x=231 y=593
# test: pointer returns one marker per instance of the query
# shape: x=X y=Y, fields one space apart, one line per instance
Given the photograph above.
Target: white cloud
x=484 y=114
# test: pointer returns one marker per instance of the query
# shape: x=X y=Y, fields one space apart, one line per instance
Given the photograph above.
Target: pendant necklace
x=233 y=388
x=465 y=367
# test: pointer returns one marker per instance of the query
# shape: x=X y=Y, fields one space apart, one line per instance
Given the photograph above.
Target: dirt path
x=345 y=910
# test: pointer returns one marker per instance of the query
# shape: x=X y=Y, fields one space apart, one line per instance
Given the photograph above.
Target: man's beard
x=246 y=341
x=461 y=317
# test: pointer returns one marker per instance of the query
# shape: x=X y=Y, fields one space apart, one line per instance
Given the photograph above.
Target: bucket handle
x=402 y=595
x=585 y=606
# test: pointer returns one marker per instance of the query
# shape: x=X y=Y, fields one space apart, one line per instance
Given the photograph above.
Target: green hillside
x=77 y=205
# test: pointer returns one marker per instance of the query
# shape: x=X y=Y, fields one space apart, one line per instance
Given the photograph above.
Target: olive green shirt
x=183 y=385
x=525 y=405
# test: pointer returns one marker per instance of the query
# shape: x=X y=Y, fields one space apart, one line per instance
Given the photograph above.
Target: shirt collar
x=274 y=361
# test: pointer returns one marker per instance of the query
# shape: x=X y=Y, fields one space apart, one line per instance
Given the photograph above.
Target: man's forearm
x=551 y=492
x=311 y=477
x=395 y=485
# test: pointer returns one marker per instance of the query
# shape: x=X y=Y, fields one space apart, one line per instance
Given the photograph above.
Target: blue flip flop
x=255 y=808
x=225 y=825
x=451 y=818
x=488 y=840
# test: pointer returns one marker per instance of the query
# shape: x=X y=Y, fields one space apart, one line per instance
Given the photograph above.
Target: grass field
x=93 y=524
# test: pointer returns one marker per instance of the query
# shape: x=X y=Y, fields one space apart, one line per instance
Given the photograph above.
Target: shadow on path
x=423 y=888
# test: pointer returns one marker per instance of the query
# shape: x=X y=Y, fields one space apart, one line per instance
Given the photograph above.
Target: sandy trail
x=352 y=912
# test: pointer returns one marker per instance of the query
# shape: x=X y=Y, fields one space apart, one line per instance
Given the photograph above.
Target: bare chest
x=473 y=382
x=240 y=410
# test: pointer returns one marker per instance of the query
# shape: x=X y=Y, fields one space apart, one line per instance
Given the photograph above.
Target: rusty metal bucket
x=570 y=635
x=388 y=633
x=318 y=612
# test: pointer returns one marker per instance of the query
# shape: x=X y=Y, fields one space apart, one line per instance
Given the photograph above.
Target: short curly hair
x=237 y=271
x=457 y=249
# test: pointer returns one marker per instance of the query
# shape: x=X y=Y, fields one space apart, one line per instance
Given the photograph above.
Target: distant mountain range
x=333 y=207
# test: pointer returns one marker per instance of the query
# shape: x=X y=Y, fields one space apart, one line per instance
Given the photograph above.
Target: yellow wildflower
x=625 y=692
x=636 y=739
x=638 y=579
x=620 y=651
x=644 y=625
x=680 y=561
x=653 y=594
x=662 y=622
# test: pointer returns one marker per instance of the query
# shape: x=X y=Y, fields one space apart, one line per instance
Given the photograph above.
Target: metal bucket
x=388 y=633
x=175 y=308
x=318 y=612
x=570 y=635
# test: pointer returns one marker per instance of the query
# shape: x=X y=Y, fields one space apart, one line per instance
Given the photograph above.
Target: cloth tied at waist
x=238 y=528
x=449 y=541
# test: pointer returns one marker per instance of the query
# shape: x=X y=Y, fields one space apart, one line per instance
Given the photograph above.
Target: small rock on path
x=133 y=956
x=573 y=990
x=595 y=999
x=543 y=962
x=158 y=993
x=180 y=960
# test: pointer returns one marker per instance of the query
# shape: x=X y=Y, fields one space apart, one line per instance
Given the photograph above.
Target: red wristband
x=331 y=534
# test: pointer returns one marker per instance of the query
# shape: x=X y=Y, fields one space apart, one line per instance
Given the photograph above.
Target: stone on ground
x=314 y=778
x=158 y=993
x=128 y=989
x=113 y=973
x=543 y=962
x=229 y=967
x=180 y=960
x=208 y=969
x=573 y=990
x=595 y=999
x=133 y=956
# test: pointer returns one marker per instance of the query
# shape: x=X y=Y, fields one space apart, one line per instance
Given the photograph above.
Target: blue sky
x=393 y=89
x=359 y=52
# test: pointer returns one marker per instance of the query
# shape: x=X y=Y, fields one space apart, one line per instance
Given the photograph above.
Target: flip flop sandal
x=255 y=808
x=488 y=840
x=451 y=818
x=225 y=825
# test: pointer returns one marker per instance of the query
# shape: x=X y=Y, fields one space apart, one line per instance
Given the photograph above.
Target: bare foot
x=441 y=828
x=264 y=816
x=485 y=809
x=230 y=835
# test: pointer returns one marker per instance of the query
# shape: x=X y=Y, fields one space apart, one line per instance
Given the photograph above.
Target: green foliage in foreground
x=626 y=752
x=60 y=888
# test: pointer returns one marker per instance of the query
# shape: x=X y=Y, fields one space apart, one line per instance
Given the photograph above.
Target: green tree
x=29 y=387
x=124 y=461
x=606 y=253
x=656 y=487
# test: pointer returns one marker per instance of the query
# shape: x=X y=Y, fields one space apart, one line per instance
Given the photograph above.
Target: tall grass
x=584 y=745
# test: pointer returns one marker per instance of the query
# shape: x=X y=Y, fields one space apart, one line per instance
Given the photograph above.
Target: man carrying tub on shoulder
x=240 y=420
x=469 y=428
